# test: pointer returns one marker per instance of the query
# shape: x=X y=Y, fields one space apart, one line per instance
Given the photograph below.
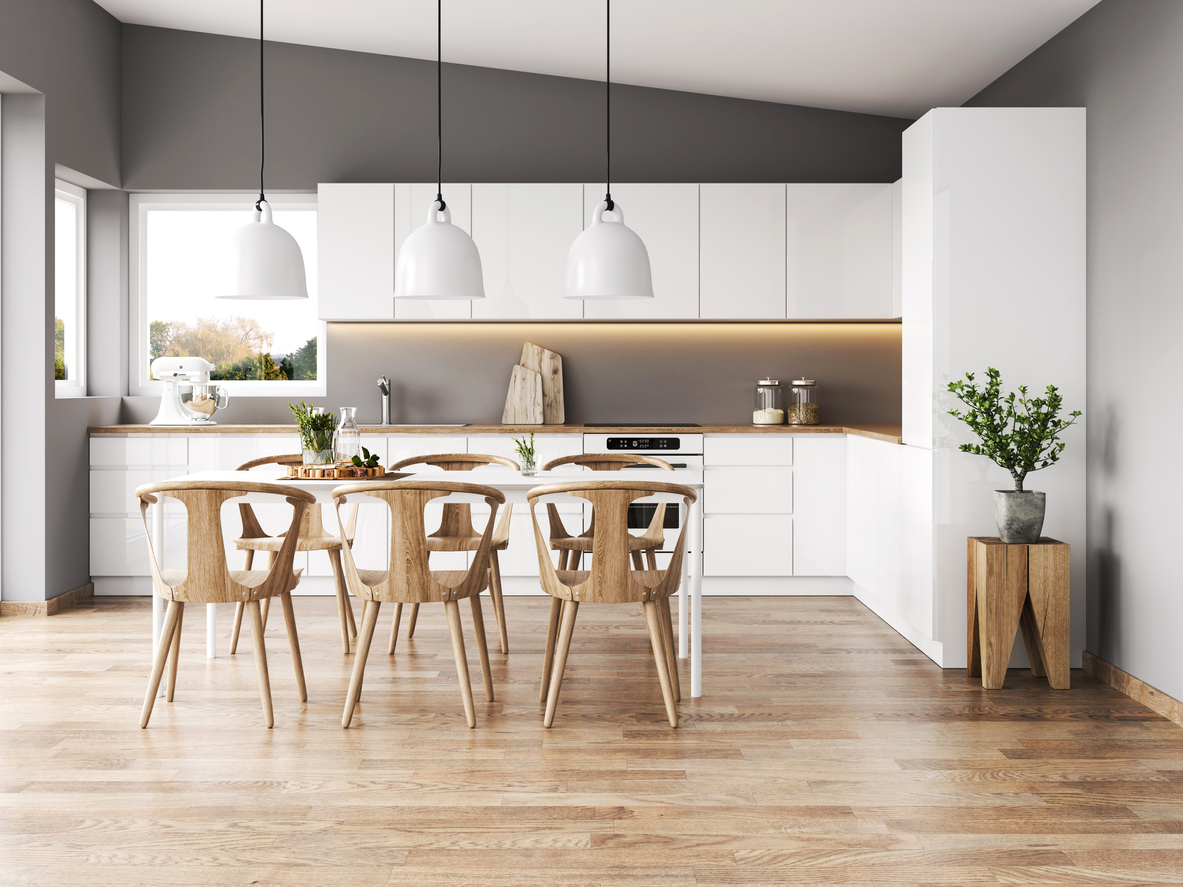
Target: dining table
x=515 y=486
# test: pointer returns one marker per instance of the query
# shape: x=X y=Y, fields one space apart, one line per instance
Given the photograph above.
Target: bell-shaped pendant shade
x=608 y=260
x=439 y=261
x=267 y=260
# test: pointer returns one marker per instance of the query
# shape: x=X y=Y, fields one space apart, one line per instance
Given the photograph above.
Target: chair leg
x=482 y=646
x=237 y=627
x=412 y=618
x=264 y=610
x=343 y=604
x=498 y=602
x=174 y=654
x=453 y=610
x=637 y=564
x=570 y=608
x=548 y=658
x=653 y=622
x=398 y=614
x=159 y=657
x=650 y=559
x=564 y=556
x=289 y=618
x=369 y=619
x=671 y=655
x=256 y=618
x=573 y=561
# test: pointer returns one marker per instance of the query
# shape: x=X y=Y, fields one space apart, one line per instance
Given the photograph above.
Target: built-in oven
x=682 y=451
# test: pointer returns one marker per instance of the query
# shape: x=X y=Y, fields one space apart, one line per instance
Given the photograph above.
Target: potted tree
x=1019 y=433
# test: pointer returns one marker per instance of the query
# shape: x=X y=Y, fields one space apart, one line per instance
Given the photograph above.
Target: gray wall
x=1122 y=61
x=68 y=50
x=190 y=121
x=641 y=372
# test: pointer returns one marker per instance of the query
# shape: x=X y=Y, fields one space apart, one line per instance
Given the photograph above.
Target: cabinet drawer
x=113 y=492
x=748 y=491
x=139 y=451
x=118 y=546
x=747 y=545
x=748 y=450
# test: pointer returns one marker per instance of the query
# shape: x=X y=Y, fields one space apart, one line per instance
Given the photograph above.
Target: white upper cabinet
x=665 y=217
x=411 y=205
x=839 y=251
x=742 y=252
x=355 y=251
x=523 y=232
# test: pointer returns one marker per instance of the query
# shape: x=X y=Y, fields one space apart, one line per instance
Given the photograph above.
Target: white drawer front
x=748 y=491
x=139 y=451
x=548 y=446
x=748 y=449
x=113 y=492
x=225 y=452
x=118 y=546
x=744 y=545
x=404 y=446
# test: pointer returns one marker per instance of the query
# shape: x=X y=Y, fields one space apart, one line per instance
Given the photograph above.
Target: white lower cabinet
x=819 y=506
x=748 y=545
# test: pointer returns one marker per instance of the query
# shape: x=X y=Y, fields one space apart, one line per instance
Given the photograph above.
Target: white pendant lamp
x=608 y=260
x=267 y=260
x=439 y=260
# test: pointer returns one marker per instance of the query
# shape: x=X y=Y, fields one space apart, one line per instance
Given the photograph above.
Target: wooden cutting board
x=549 y=366
x=523 y=405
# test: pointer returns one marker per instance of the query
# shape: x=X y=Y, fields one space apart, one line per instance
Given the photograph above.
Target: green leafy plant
x=316 y=428
x=1018 y=432
x=525 y=449
x=366 y=459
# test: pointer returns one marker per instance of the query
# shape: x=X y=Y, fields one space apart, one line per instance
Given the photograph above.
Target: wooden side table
x=1018 y=586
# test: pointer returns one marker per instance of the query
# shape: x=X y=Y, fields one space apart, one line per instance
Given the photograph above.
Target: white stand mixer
x=191 y=373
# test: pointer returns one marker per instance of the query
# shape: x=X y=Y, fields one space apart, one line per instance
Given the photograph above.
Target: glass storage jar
x=804 y=409
x=770 y=403
x=348 y=436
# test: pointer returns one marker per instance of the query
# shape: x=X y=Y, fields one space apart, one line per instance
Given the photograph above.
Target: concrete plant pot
x=1019 y=516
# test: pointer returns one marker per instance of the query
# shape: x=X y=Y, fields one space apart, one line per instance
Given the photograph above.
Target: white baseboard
x=934 y=650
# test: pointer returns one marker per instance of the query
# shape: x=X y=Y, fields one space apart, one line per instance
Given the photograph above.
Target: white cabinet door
x=819 y=506
x=839 y=254
x=747 y=450
x=355 y=251
x=411 y=205
x=861 y=480
x=523 y=232
x=665 y=217
x=225 y=452
x=748 y=491
x=742 y=252
x=404 y=446
x=748 y=545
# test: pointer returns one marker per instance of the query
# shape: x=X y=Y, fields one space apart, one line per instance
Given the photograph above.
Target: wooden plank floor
x=828 y=751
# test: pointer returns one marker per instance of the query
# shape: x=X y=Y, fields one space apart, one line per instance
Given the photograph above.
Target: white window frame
x=75 y=387
x=139 y=382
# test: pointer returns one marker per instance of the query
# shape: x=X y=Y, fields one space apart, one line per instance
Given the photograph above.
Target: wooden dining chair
x=457 y=533
x=312 y=537
x=571 y=547
x=409 y=578
x=207 y=579
x=613 y=578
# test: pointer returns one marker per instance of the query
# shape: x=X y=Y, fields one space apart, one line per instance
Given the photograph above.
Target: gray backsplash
x=612 y=372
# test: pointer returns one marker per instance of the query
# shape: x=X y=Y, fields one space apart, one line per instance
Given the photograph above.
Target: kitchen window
x=181 y=262
x=69 y=298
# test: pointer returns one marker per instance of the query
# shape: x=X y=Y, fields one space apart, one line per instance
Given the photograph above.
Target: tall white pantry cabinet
x=993 y=275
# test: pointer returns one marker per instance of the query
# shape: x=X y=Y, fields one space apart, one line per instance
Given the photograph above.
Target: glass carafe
x=348 y=436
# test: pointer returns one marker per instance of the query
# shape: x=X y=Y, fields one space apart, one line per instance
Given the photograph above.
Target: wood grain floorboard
x=827 y=751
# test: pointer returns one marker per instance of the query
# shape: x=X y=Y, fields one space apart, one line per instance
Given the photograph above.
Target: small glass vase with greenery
x=528 y=455
x=316 y=433
x=1019 y=433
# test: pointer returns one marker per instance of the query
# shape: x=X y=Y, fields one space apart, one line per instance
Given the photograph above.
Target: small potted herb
x=528 y=455
x=316 y=433
x=1019 y=433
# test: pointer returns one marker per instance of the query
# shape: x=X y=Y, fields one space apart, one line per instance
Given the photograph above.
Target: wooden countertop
x=888 y=433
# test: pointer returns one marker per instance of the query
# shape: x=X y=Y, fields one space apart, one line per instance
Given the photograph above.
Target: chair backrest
x=604 y=462
x=456 y=521
x=207 y=575
x=408 y=578
x=611 y=578
x=312 y=525
x=607 y=461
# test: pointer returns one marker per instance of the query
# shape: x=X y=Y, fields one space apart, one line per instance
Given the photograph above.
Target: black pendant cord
x=262 y=116
x=439 y=104
x=608 y=103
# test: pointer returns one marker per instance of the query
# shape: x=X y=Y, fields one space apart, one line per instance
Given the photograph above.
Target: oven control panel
x=647 y=444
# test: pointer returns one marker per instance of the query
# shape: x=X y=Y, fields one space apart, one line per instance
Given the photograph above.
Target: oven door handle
x=643 y=465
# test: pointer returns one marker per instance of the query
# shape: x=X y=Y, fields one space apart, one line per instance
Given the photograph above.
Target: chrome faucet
x=384 y=387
